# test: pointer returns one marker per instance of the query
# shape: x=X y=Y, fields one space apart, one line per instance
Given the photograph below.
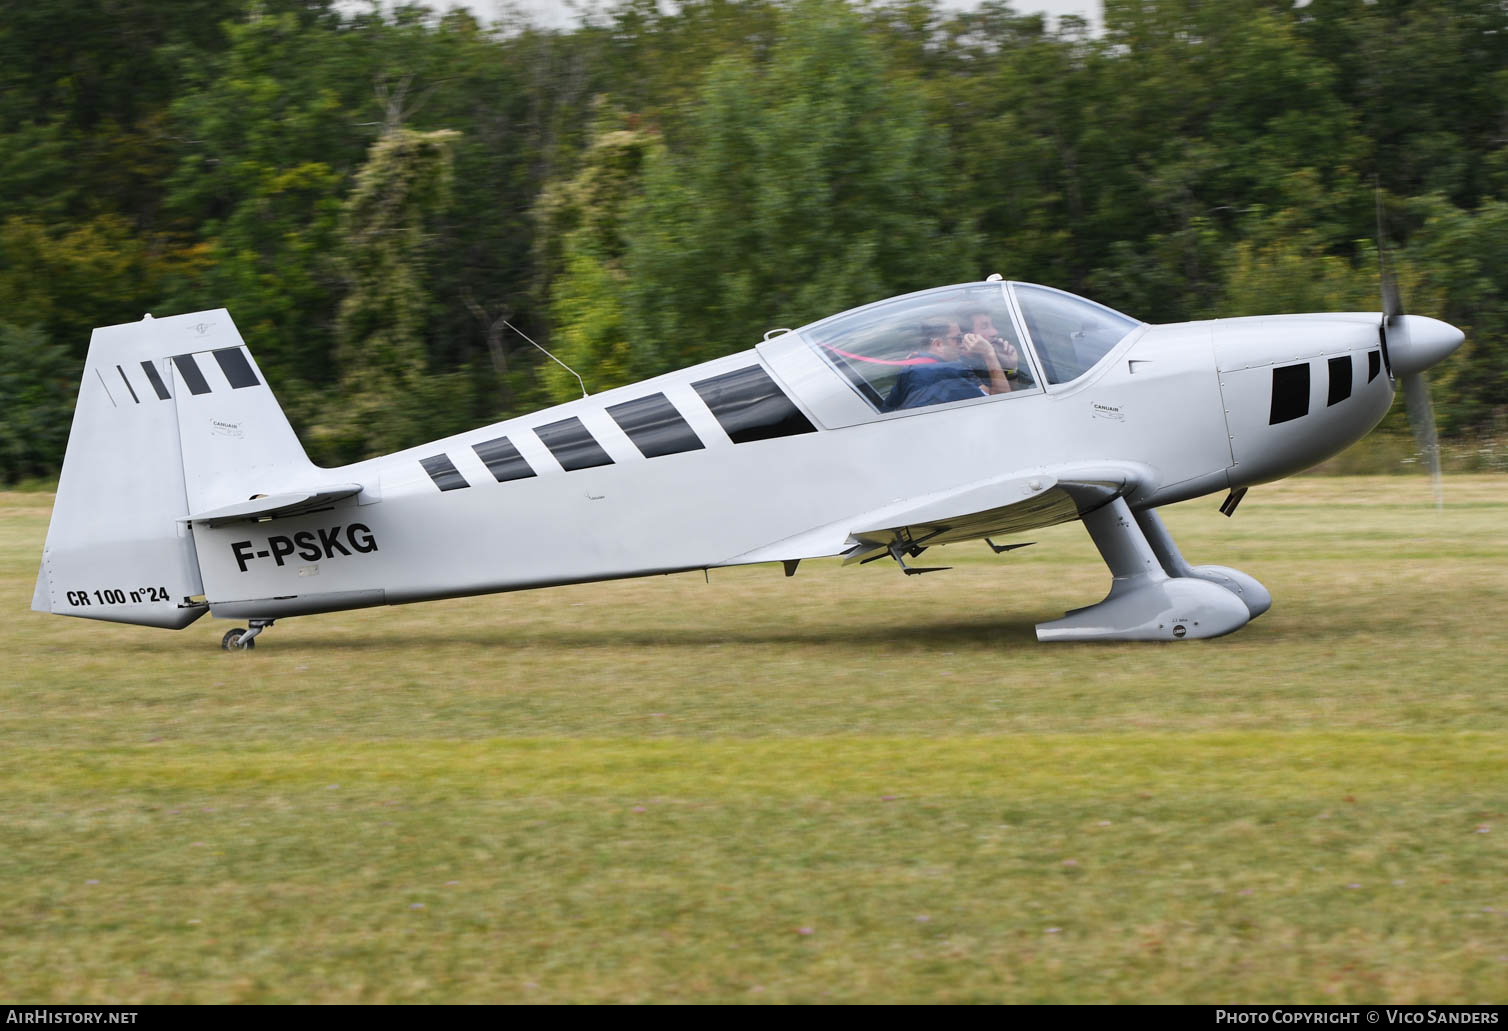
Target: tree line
x=393 y=200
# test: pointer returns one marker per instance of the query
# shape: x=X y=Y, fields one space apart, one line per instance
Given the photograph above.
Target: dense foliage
x=378 y=195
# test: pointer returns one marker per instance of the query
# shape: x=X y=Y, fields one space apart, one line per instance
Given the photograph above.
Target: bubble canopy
x=961 y=343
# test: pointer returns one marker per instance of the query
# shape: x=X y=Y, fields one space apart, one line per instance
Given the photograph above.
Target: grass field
x=845 y=786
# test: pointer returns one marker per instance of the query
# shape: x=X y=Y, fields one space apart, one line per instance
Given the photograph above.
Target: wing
x=1002 y=505
x=1012 y=505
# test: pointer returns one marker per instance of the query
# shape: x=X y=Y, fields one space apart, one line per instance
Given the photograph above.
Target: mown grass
x=1391 y=448
x=847 y=786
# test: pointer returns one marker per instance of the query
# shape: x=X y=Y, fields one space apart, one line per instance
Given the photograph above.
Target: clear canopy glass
x=962 y=343
x=936 y=347
x=1070 y=334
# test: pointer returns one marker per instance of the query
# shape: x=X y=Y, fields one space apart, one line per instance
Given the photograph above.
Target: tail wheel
x=232 y=640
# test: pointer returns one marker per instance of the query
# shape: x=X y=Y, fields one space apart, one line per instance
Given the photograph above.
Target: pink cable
x=880 y=361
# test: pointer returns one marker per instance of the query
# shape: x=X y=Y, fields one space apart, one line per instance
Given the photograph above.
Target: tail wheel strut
x=241 y=638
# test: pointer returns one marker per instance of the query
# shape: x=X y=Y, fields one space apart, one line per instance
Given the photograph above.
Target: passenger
x=946 y=367
x=983 y=325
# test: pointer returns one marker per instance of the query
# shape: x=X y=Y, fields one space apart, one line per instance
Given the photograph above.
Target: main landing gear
x=239 y=638
x=1155 y=595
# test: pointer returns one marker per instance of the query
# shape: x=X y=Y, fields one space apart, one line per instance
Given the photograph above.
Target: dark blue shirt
x=935 y=383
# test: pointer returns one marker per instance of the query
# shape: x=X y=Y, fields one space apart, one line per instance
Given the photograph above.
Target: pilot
x=983 y=325
x=947 y=367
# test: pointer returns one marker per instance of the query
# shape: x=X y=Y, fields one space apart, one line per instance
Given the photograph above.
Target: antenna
x=552 y=358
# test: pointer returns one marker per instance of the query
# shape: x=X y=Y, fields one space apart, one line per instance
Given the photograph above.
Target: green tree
x=780 y=160
x=1208 y=111
x=1022 y=107
x=38 y=383
x=1462 y=256
x=1428 y=84
x=389 y=397
x=654 y=56
x=591 y=331
x=806 y=185
x=522 y=101
x=68 y=278
x=275 y=137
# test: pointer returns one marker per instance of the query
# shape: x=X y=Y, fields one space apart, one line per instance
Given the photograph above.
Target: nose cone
x=1416 y=342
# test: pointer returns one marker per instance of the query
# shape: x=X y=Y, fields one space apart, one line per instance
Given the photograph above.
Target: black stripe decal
x=156 y=380
x=443 y=472
x=128 y=384
x=189 y=370
x=106 y=388
x=503 y=459
x=236 y=368
x=1374 y=365
x=655 y=427
x=749 y=406
x=572 y=445
x=1340 y=380
x=1290 y=393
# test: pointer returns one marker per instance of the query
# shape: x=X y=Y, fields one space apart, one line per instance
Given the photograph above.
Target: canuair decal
x=309 y=545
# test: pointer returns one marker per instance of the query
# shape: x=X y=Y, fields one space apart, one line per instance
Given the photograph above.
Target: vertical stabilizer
x=173 y=416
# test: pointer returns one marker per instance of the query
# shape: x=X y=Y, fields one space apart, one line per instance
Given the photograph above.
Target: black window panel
x=572 y=445
x=128 y=384
x=655 y=427
x=750 y=407
x=443 y=471
x=503 y=459
x=236 y=368
x=1374 y=365
x=1340 y=380
x=189 y=370
x=156 y=380
x=1290 y=393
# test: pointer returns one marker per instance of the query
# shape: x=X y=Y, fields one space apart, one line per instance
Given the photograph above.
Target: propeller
x=1410 y=345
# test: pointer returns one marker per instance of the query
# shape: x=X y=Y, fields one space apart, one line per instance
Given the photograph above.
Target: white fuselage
x=875 y=432
x=1192 y=402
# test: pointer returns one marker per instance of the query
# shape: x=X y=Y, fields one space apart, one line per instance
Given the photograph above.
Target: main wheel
x=232 y=640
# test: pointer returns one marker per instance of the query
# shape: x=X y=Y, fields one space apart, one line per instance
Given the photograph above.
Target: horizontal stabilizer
x=277 y=506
